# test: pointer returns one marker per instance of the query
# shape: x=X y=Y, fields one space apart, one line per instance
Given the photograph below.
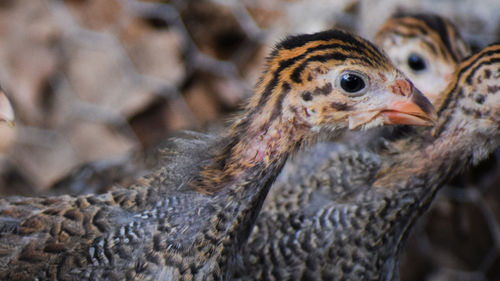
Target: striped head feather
x=328 y=80
x=473 y=101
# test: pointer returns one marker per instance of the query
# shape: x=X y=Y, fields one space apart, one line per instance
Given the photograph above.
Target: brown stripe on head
x=291 y=59
x=442 y=35
x=467 y=85
x=447 y=32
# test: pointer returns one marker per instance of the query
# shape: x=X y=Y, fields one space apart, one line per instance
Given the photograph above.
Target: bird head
x=334 y=79
x=426 y=47
x=326 y=81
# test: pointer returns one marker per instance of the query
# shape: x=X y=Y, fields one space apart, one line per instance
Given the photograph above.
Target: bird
x=340 y=213
x=188 y=219
x=406 y=43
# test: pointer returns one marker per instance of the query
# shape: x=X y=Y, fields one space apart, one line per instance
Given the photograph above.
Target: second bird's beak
x=402 y=105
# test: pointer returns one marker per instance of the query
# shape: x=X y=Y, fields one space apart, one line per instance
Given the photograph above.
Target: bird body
x=345 y=215
x=188 y=220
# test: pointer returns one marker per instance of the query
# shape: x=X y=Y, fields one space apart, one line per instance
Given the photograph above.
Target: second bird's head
x=427 y=47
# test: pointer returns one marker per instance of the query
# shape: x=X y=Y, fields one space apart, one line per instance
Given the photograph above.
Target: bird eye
x=352 y=83
x=416 y=62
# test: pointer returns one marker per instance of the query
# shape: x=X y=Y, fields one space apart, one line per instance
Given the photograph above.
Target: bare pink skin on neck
x=278 y=140
x=254 y=147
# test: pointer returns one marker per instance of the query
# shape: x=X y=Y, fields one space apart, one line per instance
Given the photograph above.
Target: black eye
x=352 y=83
x=416 y=62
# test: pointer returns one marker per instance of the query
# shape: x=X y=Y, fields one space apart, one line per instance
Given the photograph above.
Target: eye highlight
x=416 y=63
x=352 y=83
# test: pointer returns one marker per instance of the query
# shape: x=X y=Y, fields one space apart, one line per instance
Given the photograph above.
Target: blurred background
x=103 y=80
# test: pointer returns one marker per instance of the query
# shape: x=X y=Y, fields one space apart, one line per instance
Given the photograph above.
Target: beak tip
x=425 y=105
x=413 y=109
x=409 y=109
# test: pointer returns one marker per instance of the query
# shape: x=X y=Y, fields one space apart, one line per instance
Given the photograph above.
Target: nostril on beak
x=402 y=87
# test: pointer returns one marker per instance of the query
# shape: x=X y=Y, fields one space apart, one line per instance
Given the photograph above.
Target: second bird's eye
x=352 y=83
x=416 y=62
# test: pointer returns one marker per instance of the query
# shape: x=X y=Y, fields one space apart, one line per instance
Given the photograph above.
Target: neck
x=428 y=160
x=416 y=175
x=241 y=177
x=419 y=171
x=257 y=141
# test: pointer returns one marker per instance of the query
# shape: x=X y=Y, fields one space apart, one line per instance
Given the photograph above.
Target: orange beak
x=403 y=104
x=417 y=110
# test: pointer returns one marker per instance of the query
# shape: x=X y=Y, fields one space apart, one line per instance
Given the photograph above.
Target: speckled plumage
x=338 y=171
x=343 y=214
